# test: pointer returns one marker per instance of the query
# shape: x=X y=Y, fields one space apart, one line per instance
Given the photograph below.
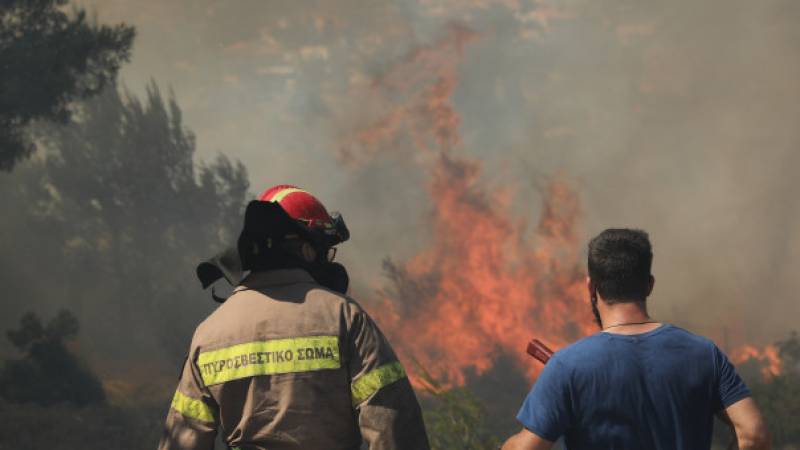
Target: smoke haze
x=473 y=147
x=678 y=117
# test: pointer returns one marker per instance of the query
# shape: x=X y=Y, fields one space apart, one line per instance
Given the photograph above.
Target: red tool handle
x=539 y=351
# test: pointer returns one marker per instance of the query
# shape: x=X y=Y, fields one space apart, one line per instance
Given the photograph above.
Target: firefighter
x=288 y=361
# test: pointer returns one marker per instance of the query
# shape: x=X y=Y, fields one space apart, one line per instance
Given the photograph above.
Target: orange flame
x=485 y=284
x=768 y=358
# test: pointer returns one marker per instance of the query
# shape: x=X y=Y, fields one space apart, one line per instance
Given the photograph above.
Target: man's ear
x=590 y=287
x=652 y=283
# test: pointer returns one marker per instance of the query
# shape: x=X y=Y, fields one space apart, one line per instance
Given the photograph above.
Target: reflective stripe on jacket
x=287 y=364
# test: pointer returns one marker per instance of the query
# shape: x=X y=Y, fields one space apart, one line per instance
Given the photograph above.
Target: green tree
x=112 y=221
x=48 y=59
x=138 y=212
x=48 y=373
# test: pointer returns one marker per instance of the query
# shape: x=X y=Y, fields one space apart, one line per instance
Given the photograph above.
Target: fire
x=768 y=358
x=486 y=283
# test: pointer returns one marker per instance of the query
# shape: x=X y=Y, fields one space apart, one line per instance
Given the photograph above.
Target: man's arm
x=526 y=440
x=747 y=422
x=737 y=408
x=546 y=413
x=192 y=419
x=389 y=416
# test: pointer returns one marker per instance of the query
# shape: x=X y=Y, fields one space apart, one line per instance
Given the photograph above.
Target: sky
x=676 y=117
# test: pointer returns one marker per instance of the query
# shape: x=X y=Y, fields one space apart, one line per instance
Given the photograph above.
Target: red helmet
x=306 y=209
x=281 y=213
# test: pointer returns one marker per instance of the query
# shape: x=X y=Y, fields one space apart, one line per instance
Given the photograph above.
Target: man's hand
x=525 y=440
x=747 y=422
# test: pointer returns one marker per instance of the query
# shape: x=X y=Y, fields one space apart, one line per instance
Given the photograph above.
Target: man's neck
x=626 y=318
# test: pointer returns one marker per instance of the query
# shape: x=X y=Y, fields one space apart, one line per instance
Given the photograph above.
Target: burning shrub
x=779 y=395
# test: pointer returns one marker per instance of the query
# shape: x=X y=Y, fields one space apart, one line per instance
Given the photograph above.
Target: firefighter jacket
x=287 y=364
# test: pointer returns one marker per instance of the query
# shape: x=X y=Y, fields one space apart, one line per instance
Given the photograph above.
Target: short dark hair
x=619 y=265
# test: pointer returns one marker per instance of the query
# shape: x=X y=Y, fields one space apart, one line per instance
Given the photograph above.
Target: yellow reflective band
x=375 y=380
x=280 y=195
x=194 y=409
x=300 y=354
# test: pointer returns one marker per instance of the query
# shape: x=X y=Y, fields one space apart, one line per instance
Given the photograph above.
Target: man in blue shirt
x=637 y=384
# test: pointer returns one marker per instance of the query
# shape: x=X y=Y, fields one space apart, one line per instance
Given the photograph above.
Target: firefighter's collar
x=265 y=278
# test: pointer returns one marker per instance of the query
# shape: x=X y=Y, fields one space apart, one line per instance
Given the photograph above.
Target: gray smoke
x=676 y=117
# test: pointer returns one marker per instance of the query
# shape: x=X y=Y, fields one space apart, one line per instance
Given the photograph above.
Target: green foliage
x=49 y=59
x=455 y=419
x=49 y=373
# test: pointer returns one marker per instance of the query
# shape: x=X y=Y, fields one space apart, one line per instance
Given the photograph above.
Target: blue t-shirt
x=654 y=390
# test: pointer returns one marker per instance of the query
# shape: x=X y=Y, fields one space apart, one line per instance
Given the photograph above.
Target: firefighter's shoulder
x=286 y=310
